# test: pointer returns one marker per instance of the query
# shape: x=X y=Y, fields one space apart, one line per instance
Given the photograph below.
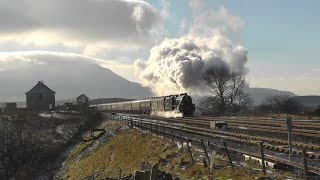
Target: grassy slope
x=129 y=148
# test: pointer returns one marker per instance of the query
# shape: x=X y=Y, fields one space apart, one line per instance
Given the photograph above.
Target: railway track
x=278 y=123
x=206 y=128
x=248 y=126
x=196 y=132
x=241 y=138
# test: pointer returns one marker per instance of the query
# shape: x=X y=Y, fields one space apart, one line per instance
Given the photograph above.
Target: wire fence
x=301 y=165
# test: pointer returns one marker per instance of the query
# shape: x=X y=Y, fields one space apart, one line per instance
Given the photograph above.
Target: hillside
x=259 y=94
x=310 y=101
x=68 y=78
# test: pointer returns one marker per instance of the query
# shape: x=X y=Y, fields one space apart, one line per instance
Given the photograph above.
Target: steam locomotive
x=181 y=103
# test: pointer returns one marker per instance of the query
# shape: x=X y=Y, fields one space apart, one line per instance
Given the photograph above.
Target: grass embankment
x=129 y=148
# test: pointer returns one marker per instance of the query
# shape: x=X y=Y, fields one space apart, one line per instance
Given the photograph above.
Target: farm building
x=82 y=100
x=40 y=98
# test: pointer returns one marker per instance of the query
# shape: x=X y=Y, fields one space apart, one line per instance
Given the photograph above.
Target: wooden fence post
x=139 y=175
x=181 y=139
x=190 y=151
x=205 y=151
x=164 y=131
x=119 y=171
x=157 y=130
x=305 y=164
x=262 y=158
x=227 y=152
x=154 y=172
x=289 y=129
x=213 y=154
x=171 y=135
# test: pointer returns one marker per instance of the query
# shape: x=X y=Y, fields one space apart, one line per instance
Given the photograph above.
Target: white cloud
x=94 y=25
x=165 y=9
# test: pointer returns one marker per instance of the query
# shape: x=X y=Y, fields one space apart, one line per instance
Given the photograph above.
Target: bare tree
x=288 y=105
x=19 y=150
x=227 y=89
x=272 y=103
x=281 y=104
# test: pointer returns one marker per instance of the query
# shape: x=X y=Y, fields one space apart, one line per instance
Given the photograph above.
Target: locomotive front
x=185 y=105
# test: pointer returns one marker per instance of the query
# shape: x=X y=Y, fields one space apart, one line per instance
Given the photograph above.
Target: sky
x=282 y=39
x=278 y=40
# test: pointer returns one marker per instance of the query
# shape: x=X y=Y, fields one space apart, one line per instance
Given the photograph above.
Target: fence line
x=172 y=132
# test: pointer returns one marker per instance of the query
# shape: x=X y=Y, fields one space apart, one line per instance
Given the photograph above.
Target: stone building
x=40 y=98
x=82 y=100
x=10 y=107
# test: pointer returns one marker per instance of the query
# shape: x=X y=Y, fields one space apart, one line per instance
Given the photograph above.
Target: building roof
x=40 y=88
x=82 y=96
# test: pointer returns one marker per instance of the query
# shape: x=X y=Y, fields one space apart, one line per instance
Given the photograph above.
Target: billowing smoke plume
x=176 y=65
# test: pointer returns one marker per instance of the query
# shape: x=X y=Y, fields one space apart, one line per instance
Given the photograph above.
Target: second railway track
x=278 y=142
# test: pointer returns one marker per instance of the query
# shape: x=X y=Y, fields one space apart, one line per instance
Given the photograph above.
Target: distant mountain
x=69 y=78
x=310 y=101
x=259 y=94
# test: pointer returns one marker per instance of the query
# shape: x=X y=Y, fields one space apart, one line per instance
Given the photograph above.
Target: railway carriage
x=180 y=103
x=157 y=104
x=145 y=106
x=135 y=107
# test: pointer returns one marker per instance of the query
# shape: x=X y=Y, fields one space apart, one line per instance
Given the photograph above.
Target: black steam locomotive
x=177 y=103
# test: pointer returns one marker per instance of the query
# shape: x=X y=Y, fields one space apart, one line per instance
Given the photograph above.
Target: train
x=181 y=103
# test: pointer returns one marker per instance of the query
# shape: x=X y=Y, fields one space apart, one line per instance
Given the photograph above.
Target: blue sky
x=282 y=39
x=272 y=28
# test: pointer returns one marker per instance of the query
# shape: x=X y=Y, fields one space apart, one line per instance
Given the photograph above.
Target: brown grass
x=129 y=148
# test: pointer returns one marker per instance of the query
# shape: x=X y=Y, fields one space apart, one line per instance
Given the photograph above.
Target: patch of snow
x=53 y=115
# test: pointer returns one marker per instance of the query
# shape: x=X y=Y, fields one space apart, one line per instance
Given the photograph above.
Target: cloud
x=176 y=65
x=207 y=22
x=91 y=24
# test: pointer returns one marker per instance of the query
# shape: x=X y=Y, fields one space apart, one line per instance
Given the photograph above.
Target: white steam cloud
x=167 y=114
x=176 y=65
